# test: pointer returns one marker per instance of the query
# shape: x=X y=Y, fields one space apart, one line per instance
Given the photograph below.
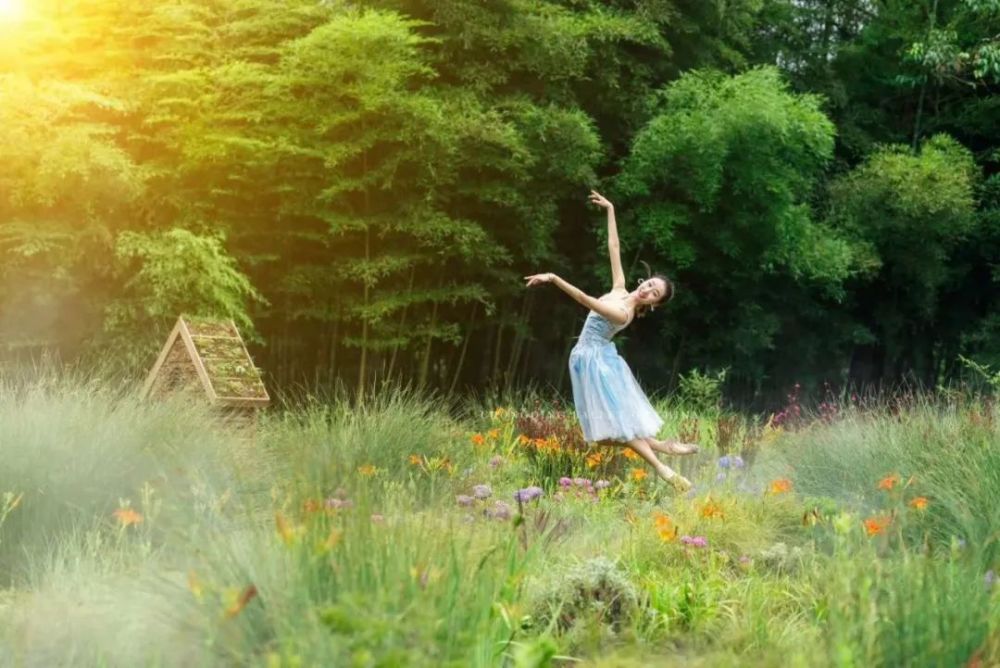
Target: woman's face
x=651 y=291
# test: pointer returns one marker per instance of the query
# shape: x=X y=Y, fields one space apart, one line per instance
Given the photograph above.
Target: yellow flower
x=919 y=502
x=286 y=531
x=416 y=460
x=629 y=453
x=712 y=509
x=194 y=584
x=781 y=485
x=665 y=527
x=594 y=460
x=638 y=474
x=493 y=434
x=478 y=439
x=523 y=440
x=367 y=470
x=331 y=541
x=127 y=517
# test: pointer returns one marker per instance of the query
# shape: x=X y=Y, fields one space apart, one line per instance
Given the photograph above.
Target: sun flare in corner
x=12 y=11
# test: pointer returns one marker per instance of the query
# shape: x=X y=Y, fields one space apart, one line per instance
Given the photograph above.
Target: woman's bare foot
x=672 y=447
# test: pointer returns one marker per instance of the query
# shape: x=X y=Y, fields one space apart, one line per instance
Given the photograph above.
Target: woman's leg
x=671 y=447
x=643 y=449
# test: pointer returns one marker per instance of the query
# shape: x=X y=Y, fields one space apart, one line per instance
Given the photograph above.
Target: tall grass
x=334 y=538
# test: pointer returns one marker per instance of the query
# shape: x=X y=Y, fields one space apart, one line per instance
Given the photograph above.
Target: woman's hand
x=600 y=200
x=538 y=279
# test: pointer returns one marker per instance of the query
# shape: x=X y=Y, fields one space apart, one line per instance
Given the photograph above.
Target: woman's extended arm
x=614 y=250
x=615 y=313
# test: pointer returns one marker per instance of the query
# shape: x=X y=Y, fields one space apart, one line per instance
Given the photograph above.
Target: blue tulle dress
x=609 y=402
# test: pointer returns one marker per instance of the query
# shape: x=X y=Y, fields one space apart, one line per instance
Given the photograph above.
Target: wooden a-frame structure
x=210 y=355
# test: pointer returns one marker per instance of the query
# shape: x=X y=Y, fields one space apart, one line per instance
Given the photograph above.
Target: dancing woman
x=611 y=406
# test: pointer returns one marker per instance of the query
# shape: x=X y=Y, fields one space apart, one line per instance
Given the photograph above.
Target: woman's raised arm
x=614 y=313
x=614 y=250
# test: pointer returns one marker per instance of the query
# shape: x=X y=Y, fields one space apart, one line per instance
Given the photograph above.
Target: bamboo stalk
x=465 y=347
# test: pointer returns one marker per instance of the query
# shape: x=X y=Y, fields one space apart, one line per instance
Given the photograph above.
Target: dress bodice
x=597 y=330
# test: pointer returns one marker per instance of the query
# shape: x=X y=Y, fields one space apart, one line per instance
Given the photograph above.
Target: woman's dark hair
x=668 y=292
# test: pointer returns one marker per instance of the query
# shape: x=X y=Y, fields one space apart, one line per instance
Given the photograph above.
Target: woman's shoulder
x=618 y=293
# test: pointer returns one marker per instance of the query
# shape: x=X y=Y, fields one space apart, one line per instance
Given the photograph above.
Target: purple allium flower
x=724 y=462
x=464 y=500
x=695 y=541
x=990 y=578
x=745 y=560
x=496 y=462
x=482 y=491
x=565 y=482
x=737 y=462
x=527 y=494
x=720 y=476
x=693 y=492
x=500 y=511
x=334 y=503
x=581 y=482
x=602 y=484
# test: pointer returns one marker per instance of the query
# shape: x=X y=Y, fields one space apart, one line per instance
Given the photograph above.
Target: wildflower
x=367 y=470
x=500 y=511
x=629 y=453
x=127 y=516
x=724 y=462
x=745 y=561
x=333 y=503
x=781 y=485
x=695 y=541
x=594 y=460
x=888 y=482
x=464 y=500
x=712 y=509
x=602 y=484
x=638 y=474
x=496 y=461
x=581 y=482
x=494 y=434
x=665 y=527
x=245 y=597
x=875 y=526
x=565 y=482
x=737 y=462
x=310 y=506
x=918 y=502
x=523 y=440
x=194 y=584
x=482 y=491
x=285 y=530
x=528 y=494
x=331 y=540
x=720 y=477
x=478 y=439
x=416 y=460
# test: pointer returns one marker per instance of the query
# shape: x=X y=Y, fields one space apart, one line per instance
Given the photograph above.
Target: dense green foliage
x=362 y=183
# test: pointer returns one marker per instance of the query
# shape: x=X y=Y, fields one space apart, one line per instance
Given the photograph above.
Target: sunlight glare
x=11 y=11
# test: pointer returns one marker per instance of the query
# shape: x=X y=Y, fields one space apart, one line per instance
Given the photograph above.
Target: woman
x=609 y=402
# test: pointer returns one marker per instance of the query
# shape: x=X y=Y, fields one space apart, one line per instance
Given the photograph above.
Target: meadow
x=409 y=531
